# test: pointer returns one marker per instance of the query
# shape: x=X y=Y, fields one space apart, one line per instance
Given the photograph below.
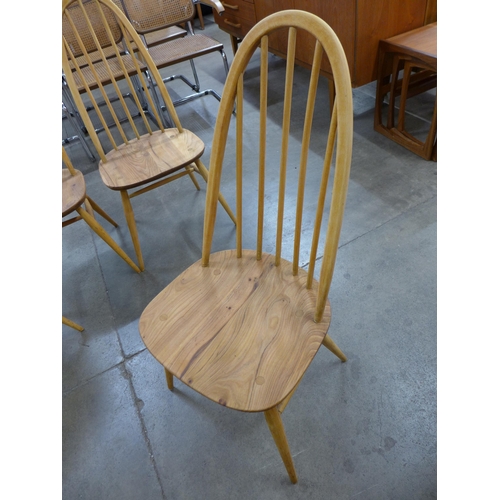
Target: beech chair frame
x=242 y=326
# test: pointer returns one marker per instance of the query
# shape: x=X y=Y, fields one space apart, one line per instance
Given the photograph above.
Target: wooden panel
x=340 y=15
x=359 y=24
x=238 y=17
x=278 y=40
x=431 y=12
x=377 y=21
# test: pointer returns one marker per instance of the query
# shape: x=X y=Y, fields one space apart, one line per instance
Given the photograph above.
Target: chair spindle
x=287 y=106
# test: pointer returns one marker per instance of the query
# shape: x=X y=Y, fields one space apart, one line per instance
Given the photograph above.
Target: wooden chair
x=152 y=15
x=145 y=159
x=74 y=199
x=242 y=326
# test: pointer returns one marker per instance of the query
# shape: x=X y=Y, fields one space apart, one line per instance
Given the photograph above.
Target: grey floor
x=363 y=429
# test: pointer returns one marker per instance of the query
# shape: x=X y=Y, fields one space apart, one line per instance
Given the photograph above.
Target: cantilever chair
x=152 y=15
x=145 y=159
x=242 y=326
x=75 y=199
x=152 y=38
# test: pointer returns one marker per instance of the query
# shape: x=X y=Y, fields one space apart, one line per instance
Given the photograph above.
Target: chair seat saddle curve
x=241 y=326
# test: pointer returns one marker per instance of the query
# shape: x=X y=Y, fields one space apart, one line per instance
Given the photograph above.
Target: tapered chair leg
x=72 y=324
x=100 y=211
x=100 y=231
x=129 y=216
x=204 y=173
x=170 y=380
x=193 y=178
x=332 y=346
x=273 y=419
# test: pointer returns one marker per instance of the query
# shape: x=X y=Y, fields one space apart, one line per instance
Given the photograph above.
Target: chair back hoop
x=152 y=15
x=100 y=21
x=341 y=131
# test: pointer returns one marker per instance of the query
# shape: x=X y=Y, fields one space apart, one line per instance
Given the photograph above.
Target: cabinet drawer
x=234 y=26
x=240 y=9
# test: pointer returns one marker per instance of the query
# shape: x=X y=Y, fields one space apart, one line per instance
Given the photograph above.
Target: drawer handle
x=233 y=7
x=234 y=25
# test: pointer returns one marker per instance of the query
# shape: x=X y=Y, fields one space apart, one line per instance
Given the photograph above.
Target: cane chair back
x=242 y=326
x=148 y=16
x=132 y=154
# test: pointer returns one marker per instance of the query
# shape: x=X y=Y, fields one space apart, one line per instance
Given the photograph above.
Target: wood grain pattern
x=152 y=157
x=359 y=24
x=241 y=331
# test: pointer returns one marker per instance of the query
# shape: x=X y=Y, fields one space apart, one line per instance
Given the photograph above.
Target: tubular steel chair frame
x=147 y=16
x=242 y=326
x=147 y=160
x=155 y=37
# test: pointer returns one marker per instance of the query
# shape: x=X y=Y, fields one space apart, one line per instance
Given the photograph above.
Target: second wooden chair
x=132 y=154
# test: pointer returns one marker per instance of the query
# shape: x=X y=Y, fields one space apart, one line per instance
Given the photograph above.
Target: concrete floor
x=365 y=429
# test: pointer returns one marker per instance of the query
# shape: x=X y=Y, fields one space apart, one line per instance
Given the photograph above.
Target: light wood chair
x=241 y=326
x=153 y=15
x=139 y=157
x=75 y=199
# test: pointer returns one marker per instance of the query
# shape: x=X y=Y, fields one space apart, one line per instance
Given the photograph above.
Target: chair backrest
x=151 y=15
x=104 y=24
x=340 y=132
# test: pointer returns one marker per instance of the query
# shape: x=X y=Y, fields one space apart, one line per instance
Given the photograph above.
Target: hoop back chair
x=242 y=326
x=139 y=157
x=152 y=15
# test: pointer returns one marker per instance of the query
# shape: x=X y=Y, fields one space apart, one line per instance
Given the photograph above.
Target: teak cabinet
x=359 y=24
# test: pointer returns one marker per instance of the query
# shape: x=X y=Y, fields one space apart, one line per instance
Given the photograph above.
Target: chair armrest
x=215 y=4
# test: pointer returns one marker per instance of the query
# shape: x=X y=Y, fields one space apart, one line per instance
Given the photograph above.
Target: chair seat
x=183 y=49
x=73 y=191
x=241 y=331
x=164 y=35
x=150 y=158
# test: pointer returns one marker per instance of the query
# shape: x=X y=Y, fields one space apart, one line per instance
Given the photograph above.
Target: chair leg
x=200 y=16
x=332 y=346
x=101 y=212
x=193 y=178
x=129 y=216
x=100 y=231
x=275 y=425
x=170 y=380
x=204 y=173
x=72 y=324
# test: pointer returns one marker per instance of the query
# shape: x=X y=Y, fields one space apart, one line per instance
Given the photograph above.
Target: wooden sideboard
x=359 y=24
